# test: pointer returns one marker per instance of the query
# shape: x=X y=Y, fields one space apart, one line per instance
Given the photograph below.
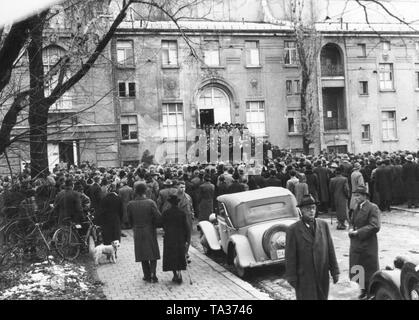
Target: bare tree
x=88 y=41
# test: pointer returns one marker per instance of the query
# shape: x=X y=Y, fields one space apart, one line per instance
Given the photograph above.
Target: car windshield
x=266 y=212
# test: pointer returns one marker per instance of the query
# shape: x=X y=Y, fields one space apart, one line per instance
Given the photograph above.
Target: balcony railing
x=335 y=124
x=332 y=70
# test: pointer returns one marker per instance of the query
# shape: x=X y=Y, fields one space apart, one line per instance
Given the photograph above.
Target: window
x=297 y=88
x=169 y=53
x=290 y=57
x=386 y=76
x=129 y=128
x=288 y=85
x=125 y=53
x=389 y=125
x=252 y=53
x=386 y=46
x=255 y=117
x=366 y=135
x=294 y=121
x=126 y=89
x=173 y=125
x=363 y=88
x=212 y=53
x=362 y=49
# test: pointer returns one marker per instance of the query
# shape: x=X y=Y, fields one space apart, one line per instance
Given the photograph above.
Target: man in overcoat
x=145 y=218
x=409 y=174
x=110 y=217
x=206 y=196
x=323 y=178
x=383 y=184
x=126 y=194
x=339 y=192
x=364 y=225
x=310 y=255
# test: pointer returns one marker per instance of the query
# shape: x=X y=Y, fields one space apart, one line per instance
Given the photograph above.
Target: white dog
x=109 y=251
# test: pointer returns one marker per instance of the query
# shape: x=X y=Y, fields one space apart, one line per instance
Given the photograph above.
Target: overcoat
x=398 y=185
x=144 y=218
x=313 y=184
x=176 y=234
x=310 y=259
x=323 y=176
x=110 y=217
x=339 y=192
x=357 y=180
x=409 y=174
x=127 y=194
x=383 y=182
x=94 y=192
x=363 y=249
x=206 y=203
x=68 y=205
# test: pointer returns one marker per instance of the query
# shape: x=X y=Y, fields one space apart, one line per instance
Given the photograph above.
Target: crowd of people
x=142 y=197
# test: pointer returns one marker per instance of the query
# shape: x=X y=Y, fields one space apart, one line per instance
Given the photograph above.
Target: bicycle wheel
x=66 y=243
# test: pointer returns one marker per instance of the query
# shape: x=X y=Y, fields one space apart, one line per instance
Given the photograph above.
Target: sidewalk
x=123 y=280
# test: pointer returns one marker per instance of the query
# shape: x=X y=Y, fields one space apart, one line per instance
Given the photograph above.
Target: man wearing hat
x=310 y=254
x=410 y=173
x=357 y=180
x=364 y=225
x=169 y=189
x=339 y=193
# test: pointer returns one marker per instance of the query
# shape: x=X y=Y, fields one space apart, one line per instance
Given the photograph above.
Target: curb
x=230 y=276
x=405 y=209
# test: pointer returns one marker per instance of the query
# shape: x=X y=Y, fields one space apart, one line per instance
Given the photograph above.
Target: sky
x=12 y=10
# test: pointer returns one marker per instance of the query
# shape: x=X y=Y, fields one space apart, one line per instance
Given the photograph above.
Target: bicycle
x=25 y=244
x=68 y=242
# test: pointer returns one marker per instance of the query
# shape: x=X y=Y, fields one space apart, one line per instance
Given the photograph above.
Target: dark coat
x=323 y=177
x=363 y=249
x=235 y=187
x=127 y=194
x=206 y=200
x=273 y=182
x=398 y=186
x=94 y=192
x=310 y=259
x=176 y=234
x=68 y=205
x=110 y=217
x=383 y=182
x=144 y=218
x=313 y=184
x=409 y=173
x=339 y=192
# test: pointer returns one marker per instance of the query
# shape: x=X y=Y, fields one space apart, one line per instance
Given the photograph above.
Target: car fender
x=388 y=277
x=210 y=233
x=245 y=257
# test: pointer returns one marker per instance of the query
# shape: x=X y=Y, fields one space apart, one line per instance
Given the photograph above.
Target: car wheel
x=414 y=293
x=383 y=292
x=274 y=239
x=240 y=271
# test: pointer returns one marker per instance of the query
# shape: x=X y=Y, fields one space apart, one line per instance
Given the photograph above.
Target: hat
x=173 y=199
x=361 y=190
x=168 y=182
x=357 y=166
x=409 y=158
x=307 y=200
x=334 y=165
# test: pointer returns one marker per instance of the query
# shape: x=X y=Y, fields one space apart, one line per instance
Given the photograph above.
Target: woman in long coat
x=110 y=216
x=176 y=236
x=145 y=218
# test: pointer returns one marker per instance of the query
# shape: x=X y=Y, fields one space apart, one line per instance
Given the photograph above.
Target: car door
x=224 y=225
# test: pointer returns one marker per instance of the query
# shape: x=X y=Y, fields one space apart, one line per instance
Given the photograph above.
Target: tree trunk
x=305 y=125
x=38 y=111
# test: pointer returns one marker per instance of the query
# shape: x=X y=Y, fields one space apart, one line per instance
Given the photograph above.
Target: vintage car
x=398 y=283
x=250 y=227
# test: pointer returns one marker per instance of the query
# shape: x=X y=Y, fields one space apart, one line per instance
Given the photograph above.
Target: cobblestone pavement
x=123 y=280
x=399 y=235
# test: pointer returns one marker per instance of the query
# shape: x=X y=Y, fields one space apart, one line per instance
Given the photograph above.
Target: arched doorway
x=213 y=106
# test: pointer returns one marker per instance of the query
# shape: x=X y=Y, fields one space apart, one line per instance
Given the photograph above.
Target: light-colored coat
x=357 y=180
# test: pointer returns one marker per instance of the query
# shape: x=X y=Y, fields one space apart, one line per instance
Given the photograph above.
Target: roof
x=202 y=25
x=238 y=198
